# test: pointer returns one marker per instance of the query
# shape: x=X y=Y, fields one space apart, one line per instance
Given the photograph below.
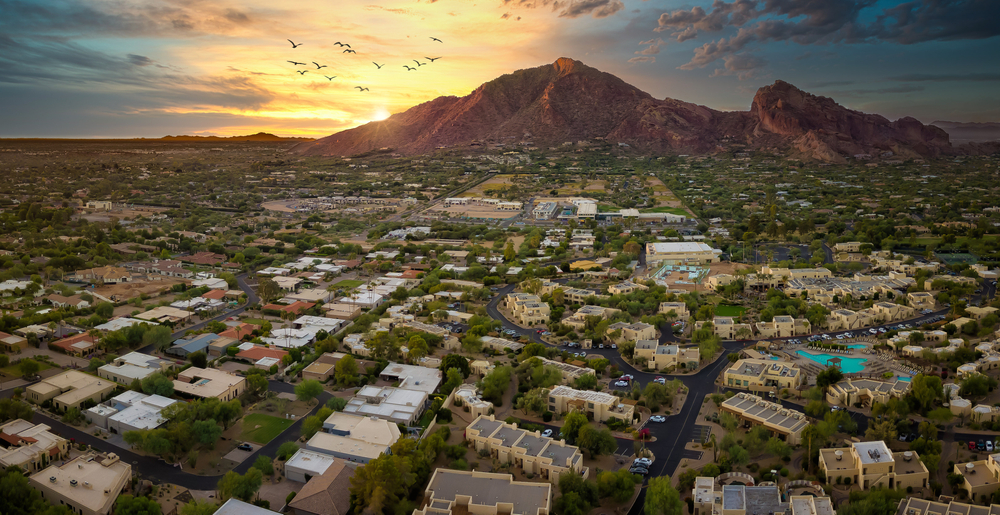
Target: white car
x=614 y=345
x=657 y=418
x=644 y=462
x=547 y=433
x=621 y=383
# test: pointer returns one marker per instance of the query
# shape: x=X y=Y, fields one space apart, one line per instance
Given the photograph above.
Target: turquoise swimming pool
x=904 y=378
x=857 y=346
x=848 y=365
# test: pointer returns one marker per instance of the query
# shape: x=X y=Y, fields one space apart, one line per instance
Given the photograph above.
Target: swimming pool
x=849 y=365
x=904 y=378
x=857 y=346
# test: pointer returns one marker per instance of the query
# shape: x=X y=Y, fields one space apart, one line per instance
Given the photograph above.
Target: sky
x=149 y=68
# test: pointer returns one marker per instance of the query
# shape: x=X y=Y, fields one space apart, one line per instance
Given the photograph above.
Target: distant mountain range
x=260 y=136
x=965 y=132
x=568 y=101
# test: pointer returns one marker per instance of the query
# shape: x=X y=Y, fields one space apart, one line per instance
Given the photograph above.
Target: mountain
x=970 y=132
x=260 y=136
x=570 y=101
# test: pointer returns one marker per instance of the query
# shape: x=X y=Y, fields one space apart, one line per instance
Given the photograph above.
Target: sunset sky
x=148 y=68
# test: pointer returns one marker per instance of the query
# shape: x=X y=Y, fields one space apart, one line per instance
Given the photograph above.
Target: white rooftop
x=873 y=452
x=679 y=247
x=315 y=463
x=121 y=323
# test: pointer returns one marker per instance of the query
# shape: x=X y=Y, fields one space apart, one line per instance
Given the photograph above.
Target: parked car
x=547 y=433
x=657 y=418
x=972 y=445
x=660 y=379
x=989 y=446
x=621 y=383
x=642 y=471
x=642 y=462
x=600 y=346
x=244 y=447
x=981 y=446
x=614 y=346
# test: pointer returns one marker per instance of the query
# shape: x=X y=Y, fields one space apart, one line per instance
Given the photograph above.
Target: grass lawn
x=15 y=372
x=665 y=209
x=607 y=207
x=270 y=427
x=349 y=283
x=729 y=311
x=255 y=321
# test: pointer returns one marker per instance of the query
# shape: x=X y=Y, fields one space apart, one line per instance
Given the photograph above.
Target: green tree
x=267 y=289
x=829 y=377
x=508 y=253
x=230 y=279
x=976 y=385
x=308 y=390
x=336 y=403
x=105 y=310
x=226 y=412
x=453 y=379
x=534 y=400
x=738 y=455
x=129 y=505
x=197 y=507
x=257 y=384
x=159 y=336
x=287 y=450
x=264 y=465
x=379 y=485
x=157 y=384
x=241 y=487
x=345 y=372
x=312 y=425
x=662 y=498
x=456 y=361
x=29 y=367
x=926 y=390
x=206 y=432
x=884 y=430
x=495 y=384
x=572 y=424
x=585 y=382
x=13 y=408
x=597 y=441
x=198 y=359
x=618 y=485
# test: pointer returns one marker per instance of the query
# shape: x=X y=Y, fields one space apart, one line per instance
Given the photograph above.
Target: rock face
x=570 y=101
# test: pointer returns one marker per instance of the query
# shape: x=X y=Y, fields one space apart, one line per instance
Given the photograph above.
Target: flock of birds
x=349 y=50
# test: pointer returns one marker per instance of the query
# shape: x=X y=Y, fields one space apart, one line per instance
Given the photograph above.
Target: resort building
x=753 y=411
x=468 y=396
x=980 y=478
x=70 y=390
x=783 y=326
x=865 y=391
x=357 y=439
x=712 y=498
x=915 y=505
x=763 y=375
x=680 y=253
x=483 y=493
x=88 y=485
x=632 y=332
x=624 y=288
x=679 y=308
x=580 y=295
x=921 y=300
x=29 y=446
x=578 y=320
x=412 y=377
x=872 y=464
x=665 y=357
x=205 y=383
x=132 y=366
x=527 y=309
x=601 y=406
x=727 y=328
x=570 y=372
x=527 y=450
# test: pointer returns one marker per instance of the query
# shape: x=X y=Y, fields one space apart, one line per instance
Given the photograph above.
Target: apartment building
x=632 y=332
x=872 y=464
x=727 y=328
x=88 y=485
x=578 y=320
x=483 y=493
x=601 y=406
x=679 y=308
x=580 y=296
x=626 y=287
x=30 y=447
x=527 y=450
x=206 y=383
x=846 y=319
x=981 y=477
x=569 y=371
x=501 y=344
x=921 y=300
x=866 y=391
x=783 y=326
x=527 y=309
x=70 y=390
x=712 y=498
x=754 y=411
x=848 y=246
x=762 y=375
x=665 y=357
x=945 y=506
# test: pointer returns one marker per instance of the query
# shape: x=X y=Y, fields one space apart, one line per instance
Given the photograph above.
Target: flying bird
x=330 y=78
x=349 y=50
x=342 y=44
x=419 y=64
x=378 y=65
x=436 y=39
x=318 y=66
x=409 y=68
x=360 y=88
x=294 y=45
x=295 y=63
x=432 y=59
x=302 y=72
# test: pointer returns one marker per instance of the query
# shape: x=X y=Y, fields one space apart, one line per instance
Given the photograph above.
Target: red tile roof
x=238 y=332
x=214 y=294
x=67 y=343
x=295 y=307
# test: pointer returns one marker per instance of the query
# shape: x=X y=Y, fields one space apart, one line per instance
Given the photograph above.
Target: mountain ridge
x=570 y=101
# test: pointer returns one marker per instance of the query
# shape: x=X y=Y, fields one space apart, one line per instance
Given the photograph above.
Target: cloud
x=947 y=77
x=743 y=66
x=831 y=83
x=817 y=22
x=643 y=59
x=906 y=88
x=573 y=8
x=139 y=60
x=653 y=48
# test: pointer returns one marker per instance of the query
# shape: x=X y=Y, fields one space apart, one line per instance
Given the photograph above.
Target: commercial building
x=132 y=366
x=327 y=493
x=680 y=253
x=70 y=390
x=664 y=357
x=763 y=375
x=578 y=320
x=398 y=405
x=981 y=477
x=865 y=391
x=88 y=485
x=710 y=497
x=483 y=493
x=206 y=383
x=356 y=439
x=601 y=406
x=530 y=451
x=544 y=210
x=784 y=423
x=872 y=464
x=30 y=446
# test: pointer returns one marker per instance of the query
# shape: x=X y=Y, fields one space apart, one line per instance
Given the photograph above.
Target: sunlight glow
x=380 y=114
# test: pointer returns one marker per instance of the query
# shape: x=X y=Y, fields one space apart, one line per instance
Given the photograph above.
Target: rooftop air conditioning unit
x=52 y=479
x=839 y=455
x=72 y=482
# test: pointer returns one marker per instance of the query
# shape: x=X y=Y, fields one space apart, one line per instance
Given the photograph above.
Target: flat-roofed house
x=30 y=446
x=353 y=438
x=872 y=464
x=70 y=390
x=136 y=411
x=865 y=391
x=132 y=366
x=77 y=345
x=921 y=300
x=483 y=493
x=762 y=375
x=398 y=405
x=12 y=343
x=679 y=308
x=89 y=484
x=532 y=452
x=980 y=477
x=206 y=383
x=305 y=462
x=663 y=357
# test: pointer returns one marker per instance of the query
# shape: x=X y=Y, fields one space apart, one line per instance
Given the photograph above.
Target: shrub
x=288 y=499
x=847 y=480
x=459 y=465
x=547 y=416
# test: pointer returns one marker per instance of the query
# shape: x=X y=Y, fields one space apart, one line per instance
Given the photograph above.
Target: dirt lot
x=123 y=214
x=495 y=183
x=133 y=289
x=278 y=205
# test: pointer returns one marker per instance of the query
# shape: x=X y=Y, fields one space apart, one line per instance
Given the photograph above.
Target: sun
x=380 y=114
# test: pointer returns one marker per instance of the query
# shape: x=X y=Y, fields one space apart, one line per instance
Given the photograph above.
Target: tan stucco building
x=663 y=357
x=872 y=464
x=88 y=485
x=483 y=493
x=70 y=390
x=762 y=375
x=784 y=423
x=527 y=450
x=597 y=405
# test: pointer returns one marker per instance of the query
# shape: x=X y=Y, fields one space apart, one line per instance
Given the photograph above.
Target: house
x=12 y=343
x=570 y=372
x=665 y=357
x=326 y=493
x=397 y=405
x=727 y=329
x=759 y=375
x=116 y=324
x=305 y=464
x=295 y=307
x=77 y=345
x=501 y=344
x=364 y=300
x=166 y=314
x=194 y=343
x=873 y=465
x=781 y=422
x=599 y=405
x=680 y=309
x=89 y=484
x=239 y=331
x=578 y=320
x=70 y=390
x=204 y=258
x=255 y=353
x=75 y=301
x=324 y=367
x=711 y=496
x=130 y=411
x=528 y=309
x=354 y=438
x=311 y=295
x=131 y=367
x=30 y=447
x=342 y=311
x=783 y=326
x=529 y=450
x=412 y=377
x=214 y=295
x=101 y=275
x=207 y=383
x=483 y=493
